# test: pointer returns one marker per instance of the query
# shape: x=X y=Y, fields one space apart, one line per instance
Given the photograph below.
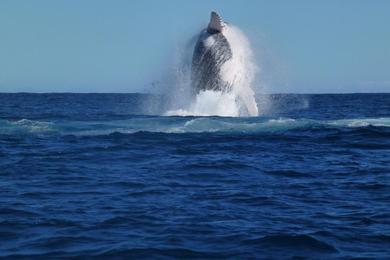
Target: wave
x=293 y=242
x=179 y=125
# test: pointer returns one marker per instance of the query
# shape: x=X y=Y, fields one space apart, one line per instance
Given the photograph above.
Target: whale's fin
x=216 y=24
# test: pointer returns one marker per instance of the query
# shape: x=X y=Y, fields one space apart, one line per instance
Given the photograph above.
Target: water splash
x=239 y=72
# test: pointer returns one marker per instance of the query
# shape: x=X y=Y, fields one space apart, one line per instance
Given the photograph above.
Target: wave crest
x=183 y=125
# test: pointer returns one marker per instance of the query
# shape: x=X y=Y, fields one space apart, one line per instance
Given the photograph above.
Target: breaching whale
x=211 y=52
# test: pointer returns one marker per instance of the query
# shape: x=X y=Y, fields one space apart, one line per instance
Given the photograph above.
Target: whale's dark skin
x=211 y=51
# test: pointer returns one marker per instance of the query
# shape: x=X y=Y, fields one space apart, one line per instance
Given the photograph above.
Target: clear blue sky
x=122 y=46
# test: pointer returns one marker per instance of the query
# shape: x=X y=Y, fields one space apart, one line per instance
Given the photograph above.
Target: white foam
x=33 y=126
x=210 y=103
x=363 y=122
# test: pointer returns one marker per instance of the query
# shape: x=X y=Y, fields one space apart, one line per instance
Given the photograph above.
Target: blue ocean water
x=103 y=175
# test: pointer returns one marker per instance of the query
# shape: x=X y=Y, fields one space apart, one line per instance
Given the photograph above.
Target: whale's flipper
x=216 y=24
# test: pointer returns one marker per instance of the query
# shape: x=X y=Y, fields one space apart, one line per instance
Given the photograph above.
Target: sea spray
x=239 y=72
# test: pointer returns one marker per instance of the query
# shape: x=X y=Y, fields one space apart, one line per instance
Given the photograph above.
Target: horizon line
x=148 y=93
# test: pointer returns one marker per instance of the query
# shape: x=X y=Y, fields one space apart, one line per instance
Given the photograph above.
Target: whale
x=212 y=50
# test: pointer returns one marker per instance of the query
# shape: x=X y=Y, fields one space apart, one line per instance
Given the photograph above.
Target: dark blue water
x=99 y=175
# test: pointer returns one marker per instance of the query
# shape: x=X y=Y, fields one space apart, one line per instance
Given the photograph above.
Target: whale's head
x=211 y=52
x=216 y=24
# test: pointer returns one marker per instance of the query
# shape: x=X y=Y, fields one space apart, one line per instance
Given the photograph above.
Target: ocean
x=107 y=175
